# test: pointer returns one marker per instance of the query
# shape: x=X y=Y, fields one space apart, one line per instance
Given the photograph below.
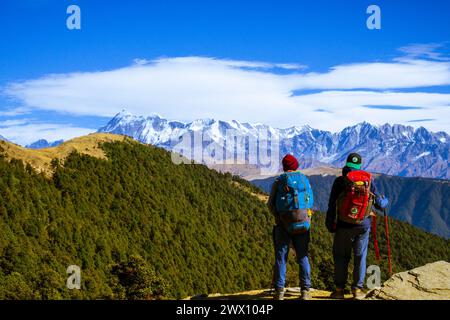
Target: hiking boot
x=358 y=294
x=337 y=294
x=306 y=295
x=278 y=294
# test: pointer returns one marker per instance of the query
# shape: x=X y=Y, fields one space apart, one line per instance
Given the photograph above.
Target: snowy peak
x=392 y=149
x=123 y=114
x=200 y=124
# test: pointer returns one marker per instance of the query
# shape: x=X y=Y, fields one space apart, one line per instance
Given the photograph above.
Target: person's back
x=293 y=200
x=351 y=223
x=290 y=202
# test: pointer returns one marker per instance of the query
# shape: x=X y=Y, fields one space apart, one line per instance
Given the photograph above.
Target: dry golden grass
x=262 y=197
x=40 y=159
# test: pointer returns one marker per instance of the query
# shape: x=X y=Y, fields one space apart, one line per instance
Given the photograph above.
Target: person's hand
x=383 y=202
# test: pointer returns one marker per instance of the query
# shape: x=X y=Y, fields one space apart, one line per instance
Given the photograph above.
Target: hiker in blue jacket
x=349 y=236
x=292 y=225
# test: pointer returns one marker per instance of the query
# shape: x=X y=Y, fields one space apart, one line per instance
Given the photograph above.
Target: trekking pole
x=375 y=240
x=386 y=225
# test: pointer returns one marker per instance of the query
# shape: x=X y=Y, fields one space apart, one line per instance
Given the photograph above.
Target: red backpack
x=354 y=204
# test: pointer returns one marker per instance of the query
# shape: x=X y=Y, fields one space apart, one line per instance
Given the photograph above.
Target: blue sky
x=220 y=59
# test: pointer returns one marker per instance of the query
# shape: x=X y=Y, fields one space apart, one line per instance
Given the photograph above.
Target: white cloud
x=378 y=75
x=378 y=108
x=202 y=61
x=186 y=88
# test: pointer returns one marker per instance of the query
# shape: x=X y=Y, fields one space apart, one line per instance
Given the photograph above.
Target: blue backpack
x=293 y=201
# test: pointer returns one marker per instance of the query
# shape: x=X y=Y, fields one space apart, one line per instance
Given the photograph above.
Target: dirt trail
x=291 y=294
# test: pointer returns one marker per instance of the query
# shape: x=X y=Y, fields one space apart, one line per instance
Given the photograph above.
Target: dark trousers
x=346 y=240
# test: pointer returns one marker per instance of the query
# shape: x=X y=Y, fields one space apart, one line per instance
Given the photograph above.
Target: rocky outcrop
x=429 y=282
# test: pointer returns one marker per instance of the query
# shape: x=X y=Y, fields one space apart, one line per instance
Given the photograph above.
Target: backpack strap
x=305 y=185
x=283 y=179
x=296 y=199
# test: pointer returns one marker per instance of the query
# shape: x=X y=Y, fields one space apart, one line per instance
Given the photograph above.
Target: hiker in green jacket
x=352 y=198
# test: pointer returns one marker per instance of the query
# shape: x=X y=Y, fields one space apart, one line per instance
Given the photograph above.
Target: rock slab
x=429 y=282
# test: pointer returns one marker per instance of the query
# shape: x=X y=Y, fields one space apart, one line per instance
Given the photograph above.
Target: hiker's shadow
x=265 y=295
x=328 y=298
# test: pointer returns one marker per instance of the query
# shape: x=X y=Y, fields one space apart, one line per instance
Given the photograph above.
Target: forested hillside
x=141 y=227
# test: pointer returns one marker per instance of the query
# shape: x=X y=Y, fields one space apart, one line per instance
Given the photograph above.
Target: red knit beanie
x=289 y=163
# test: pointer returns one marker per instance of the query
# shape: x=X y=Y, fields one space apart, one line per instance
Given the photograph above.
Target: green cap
x=354 y=161
x=353 y=165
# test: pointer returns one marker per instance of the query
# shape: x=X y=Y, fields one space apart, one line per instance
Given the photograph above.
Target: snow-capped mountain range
x=390 y=149
x=42 y=143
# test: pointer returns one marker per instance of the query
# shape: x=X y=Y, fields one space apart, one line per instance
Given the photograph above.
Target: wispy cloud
x=14 y=111
x=422 y=120
x=185 y=88
x=393 y=107
x=24 y=132
x=203 y=61
x=13 y=122
x=424 y=51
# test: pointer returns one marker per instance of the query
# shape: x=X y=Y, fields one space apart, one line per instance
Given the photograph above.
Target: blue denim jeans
x=346 y=240
x=282 y=240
